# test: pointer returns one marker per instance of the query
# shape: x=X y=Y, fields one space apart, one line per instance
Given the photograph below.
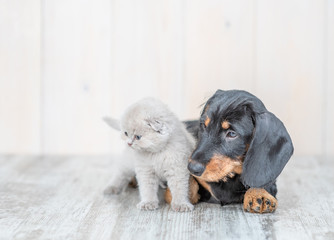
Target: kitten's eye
x=231 y=134
x=126 y=133
x=138 y=137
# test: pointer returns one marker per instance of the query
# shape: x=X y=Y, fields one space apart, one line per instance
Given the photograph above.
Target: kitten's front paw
x=143 y=205
x=112 y=190
x=182 y=207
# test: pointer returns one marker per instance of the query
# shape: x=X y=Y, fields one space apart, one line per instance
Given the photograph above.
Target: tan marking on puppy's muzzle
x=220 y=168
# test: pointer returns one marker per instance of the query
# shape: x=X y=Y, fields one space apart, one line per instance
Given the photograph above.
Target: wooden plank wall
x=20 y=81
x=329 y=80
x=76 y=75
x=290 y=60
x=64 y=64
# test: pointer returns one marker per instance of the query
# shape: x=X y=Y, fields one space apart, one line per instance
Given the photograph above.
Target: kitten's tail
x=112 y=122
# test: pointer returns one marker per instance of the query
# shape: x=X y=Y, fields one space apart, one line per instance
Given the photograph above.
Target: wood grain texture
x=290 y=71
x=61 y=198
x=147 y=55
x=147 y=52
x=76 y=76
x=66 y=64
x=218 y=49
x=20 y=76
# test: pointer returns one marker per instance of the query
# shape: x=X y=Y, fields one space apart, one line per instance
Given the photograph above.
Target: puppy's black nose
x=196 y=168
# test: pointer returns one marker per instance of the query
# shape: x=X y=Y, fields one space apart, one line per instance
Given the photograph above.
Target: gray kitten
x=161 y=147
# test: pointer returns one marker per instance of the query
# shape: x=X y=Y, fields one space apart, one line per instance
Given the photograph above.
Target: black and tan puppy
x=241 y=150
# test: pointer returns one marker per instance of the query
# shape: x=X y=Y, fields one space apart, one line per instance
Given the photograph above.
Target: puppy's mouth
x=219 y=168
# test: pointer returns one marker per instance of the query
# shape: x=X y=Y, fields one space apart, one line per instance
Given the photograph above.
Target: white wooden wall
x=66 y=63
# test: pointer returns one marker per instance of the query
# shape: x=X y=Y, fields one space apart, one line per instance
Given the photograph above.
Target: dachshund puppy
x=241 y=150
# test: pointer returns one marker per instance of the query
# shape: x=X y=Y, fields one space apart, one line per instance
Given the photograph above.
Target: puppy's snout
x=196 y=168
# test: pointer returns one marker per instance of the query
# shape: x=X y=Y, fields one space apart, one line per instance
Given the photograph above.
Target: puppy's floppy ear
x=269 y=151
x=114 y=123
x=157 y=125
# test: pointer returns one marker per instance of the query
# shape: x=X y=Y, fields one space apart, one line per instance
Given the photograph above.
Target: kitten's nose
x=196 y=168
x=130 y=144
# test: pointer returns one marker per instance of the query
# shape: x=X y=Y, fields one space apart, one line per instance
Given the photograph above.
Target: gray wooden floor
x=61 y=198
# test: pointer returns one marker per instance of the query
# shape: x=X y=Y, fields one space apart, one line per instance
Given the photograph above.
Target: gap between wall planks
x=329 y=87
x=65 y=64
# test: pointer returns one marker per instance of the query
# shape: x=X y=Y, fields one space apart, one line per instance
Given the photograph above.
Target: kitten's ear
x=157 y=125
x=112 y=122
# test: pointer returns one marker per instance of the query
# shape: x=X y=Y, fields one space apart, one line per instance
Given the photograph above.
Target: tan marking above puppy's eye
x=225 y=124
x=207 y=121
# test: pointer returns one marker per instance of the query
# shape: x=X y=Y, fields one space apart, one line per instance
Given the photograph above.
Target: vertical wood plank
x=218 y=49
x=289 y=70
x=329 y=127
x=147 y=52
x=123 y=51
x=20 y=76
x=76 y=67
x=171 y=54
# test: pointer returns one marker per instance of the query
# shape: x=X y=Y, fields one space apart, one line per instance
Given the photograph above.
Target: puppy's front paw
x=258 y=200
x=143 y=205
x=182 y=207
x=112 y=190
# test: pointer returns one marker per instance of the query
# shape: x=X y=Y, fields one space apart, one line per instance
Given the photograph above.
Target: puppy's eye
x=126 y=133
x=231 y=134
x=138 y=137
x=202 y=125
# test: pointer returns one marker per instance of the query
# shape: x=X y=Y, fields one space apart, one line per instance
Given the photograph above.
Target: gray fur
x=161 y=154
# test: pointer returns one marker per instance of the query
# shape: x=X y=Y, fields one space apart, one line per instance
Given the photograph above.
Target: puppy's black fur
x=251 y=136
